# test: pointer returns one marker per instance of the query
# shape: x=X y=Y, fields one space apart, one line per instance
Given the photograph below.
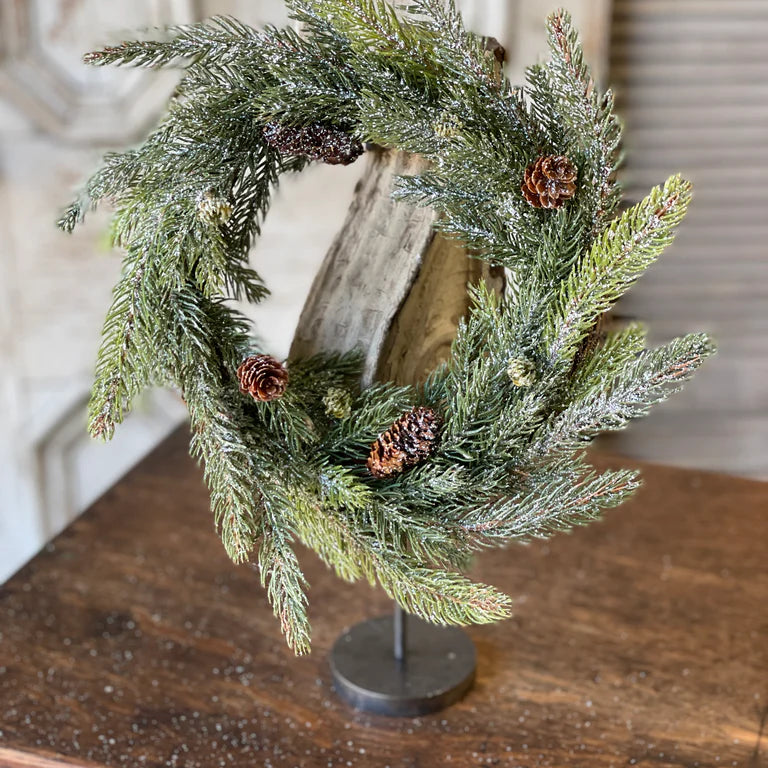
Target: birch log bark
x=389 y=286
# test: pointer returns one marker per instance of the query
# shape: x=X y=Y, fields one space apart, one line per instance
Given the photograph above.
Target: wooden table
x=643 y=640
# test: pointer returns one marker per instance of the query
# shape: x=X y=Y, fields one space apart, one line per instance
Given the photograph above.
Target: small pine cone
x=447 y=126
x=338 y=402
x=410 y=440
x=262 y=377
x=317 y=142
x=550 y=181
x=522 y=373
x=214 y=210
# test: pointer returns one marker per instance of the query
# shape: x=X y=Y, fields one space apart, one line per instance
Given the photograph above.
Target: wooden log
x=389 y=286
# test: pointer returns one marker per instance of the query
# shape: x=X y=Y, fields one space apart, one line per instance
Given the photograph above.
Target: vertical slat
x=691 y=82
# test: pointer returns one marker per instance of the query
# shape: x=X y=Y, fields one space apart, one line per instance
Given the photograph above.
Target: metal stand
x=402 y=666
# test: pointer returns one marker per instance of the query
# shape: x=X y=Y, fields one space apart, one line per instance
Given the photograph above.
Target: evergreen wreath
x=393 y=484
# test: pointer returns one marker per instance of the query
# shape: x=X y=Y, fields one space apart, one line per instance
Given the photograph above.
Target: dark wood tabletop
x=642 y=640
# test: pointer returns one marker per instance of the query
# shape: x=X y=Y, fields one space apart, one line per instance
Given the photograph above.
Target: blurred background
x=692 y=84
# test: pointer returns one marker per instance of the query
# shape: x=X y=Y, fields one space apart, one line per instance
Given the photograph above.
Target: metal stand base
x=436 y=669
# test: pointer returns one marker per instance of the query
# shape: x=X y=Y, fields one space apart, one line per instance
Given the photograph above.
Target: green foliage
x=509 y=467
x=286 y=586
x=550 y=500
x=607 y=403
x=578 y=120
x=617 y=258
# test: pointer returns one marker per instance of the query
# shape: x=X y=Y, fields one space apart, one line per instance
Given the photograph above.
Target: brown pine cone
x=262 y=377
x=317 y=142
x=410 y=440
x=550 y=181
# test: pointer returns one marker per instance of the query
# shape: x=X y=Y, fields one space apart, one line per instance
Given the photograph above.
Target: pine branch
x=400 y=515
x=284 y=581
x=616 y=260
x=373 y=26
x=569 y=105
x=118 y=172
x=442 y=597
x=459 y=51
x=122 y=367
x=551 y=500
x=372 y=412
x=439 y=596
x=608 y=405
x=207 y=41
x=204 y=341
x=489 y=419
x=619 y=349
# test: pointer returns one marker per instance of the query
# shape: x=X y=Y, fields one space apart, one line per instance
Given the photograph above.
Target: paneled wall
x=692 y=82
x=56 y=119
x=55 y=116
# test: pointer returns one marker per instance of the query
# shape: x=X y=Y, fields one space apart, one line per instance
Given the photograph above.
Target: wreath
x=398 y=485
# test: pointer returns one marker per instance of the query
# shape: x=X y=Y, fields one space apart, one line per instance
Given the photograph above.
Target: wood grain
x=389 y=286
x=424 y=326
x=643 y=640
x=369 y=269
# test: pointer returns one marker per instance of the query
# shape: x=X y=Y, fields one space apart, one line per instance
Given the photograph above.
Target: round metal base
x=437 y=670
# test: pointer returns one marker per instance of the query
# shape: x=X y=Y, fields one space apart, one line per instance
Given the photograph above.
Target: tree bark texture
x=389 y=286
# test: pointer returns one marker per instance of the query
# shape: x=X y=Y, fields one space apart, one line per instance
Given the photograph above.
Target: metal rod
x=400 y=634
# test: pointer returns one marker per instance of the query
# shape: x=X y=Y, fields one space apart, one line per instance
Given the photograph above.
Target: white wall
x=56 y=118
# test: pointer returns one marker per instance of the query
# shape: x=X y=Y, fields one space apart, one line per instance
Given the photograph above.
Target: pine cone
x=522 y=373
x=214 y=210
x=410 y=440
x=262 y=377
x=550 y=181
x=317 y=141
x=338 y=402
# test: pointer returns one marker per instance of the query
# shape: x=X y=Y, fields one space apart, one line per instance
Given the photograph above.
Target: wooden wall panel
x=691 y=81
